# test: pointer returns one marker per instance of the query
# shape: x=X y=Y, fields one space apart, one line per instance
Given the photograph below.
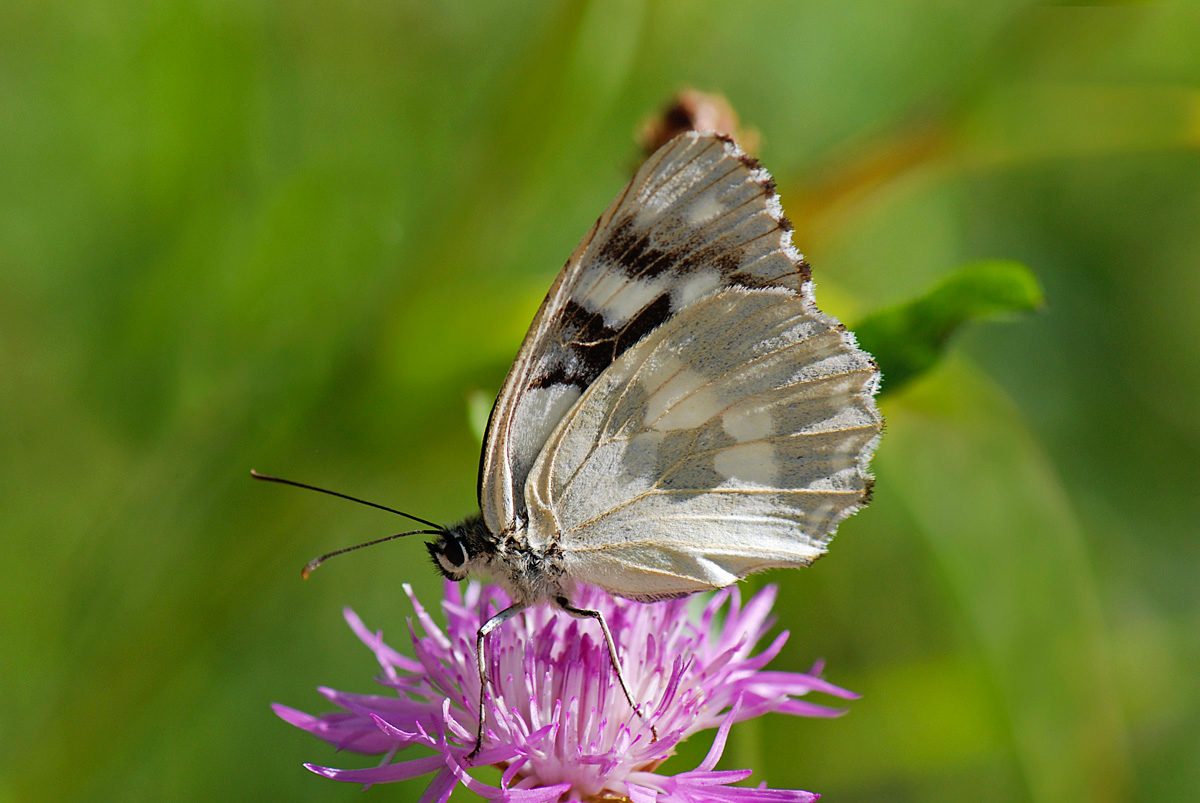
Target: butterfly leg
x=487 y=627
x=582 y=613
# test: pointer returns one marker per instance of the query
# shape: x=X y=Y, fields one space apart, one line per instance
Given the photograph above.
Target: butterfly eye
x=453 y=553
x=449 y=555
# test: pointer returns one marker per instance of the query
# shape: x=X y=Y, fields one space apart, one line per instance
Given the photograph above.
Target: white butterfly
x=680 y=414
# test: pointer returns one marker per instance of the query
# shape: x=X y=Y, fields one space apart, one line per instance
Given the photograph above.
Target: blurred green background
x=298 y=236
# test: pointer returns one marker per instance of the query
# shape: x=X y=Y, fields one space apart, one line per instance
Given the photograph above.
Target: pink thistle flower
x=557 y=722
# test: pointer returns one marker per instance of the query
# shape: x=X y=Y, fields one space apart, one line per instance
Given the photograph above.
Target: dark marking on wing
x=802 y=270
x=650 y=318
x=589 y=345
x=633 y=254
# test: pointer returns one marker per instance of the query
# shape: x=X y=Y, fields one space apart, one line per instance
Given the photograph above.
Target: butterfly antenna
x=313 y=564
x=294 y=484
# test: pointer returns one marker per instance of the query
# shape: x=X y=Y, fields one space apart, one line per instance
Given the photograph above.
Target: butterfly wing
x=698 y=216
x=732 y=439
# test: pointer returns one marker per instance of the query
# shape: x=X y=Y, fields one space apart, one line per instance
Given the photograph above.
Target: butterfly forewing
x=732 y=439
x=698 y=216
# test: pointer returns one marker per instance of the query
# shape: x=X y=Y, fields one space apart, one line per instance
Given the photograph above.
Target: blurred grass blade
x=994 y=513
x=909 y=339
x=479 y=410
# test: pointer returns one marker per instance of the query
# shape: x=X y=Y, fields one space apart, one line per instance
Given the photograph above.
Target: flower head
x=557 y=721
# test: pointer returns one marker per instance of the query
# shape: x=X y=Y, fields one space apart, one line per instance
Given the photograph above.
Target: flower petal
x=718 y=745
x=388 y=658
x=441 y=787
x=427 y=624
x=800 y=708
x=542 y=794
x=387 y=773
x=640 y=794
x=795 y=683
x=343 y=731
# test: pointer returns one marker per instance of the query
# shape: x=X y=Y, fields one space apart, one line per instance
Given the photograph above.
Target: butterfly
x=680 y=413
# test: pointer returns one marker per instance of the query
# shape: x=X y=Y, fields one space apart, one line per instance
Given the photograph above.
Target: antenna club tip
x=308 y=569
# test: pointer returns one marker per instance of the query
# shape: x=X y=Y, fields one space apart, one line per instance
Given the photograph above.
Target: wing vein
x=722 y=491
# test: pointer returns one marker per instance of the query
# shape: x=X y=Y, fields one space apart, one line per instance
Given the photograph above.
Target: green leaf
x=909 y=339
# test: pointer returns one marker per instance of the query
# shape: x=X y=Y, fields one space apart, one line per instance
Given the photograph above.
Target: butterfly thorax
x=528 y=573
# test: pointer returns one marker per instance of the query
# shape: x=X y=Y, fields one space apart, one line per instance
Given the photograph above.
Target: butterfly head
x=461 y=549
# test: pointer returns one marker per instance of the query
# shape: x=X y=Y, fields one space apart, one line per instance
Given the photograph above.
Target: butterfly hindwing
x=732 y=439
x=698 y=216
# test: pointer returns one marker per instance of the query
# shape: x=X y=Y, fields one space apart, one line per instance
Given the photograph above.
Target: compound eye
x=454 y=553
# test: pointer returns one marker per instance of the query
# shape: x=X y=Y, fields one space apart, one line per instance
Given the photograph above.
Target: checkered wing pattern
x=698 y=217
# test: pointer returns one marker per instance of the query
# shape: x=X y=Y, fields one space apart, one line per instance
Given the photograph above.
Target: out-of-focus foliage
x=299 y=237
